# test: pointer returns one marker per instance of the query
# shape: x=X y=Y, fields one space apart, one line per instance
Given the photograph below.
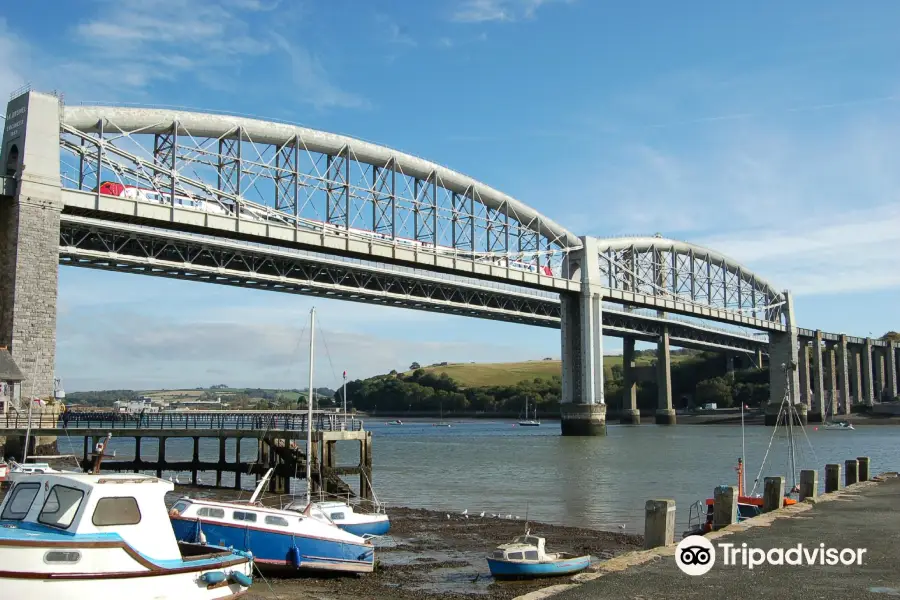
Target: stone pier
x=630 y=413
x=843 y=377
x=817 y=407
x=29 y=239
x=665 y=414
x=892 y=382
x=857 y=381
x=582 y=407
x=784 y=376
x=867 y=377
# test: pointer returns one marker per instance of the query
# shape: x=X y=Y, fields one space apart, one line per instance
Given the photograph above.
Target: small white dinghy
x=88 y=536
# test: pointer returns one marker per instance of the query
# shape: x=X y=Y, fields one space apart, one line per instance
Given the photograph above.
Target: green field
x=502 y=374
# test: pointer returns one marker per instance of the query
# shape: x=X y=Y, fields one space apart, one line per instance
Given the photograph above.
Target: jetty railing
x=183 y=420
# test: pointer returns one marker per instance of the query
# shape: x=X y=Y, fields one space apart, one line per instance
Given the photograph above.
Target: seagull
x=448 y=517
x=509 y=516
x=481 y=516
x=517 y=517
x=622 y=526
x=465 y=512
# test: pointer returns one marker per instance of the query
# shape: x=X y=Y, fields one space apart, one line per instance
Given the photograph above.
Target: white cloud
x=482 y=11
x=140 y=43
x=311 y=80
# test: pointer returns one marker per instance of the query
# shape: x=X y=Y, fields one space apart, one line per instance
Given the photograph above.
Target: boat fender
x=240 y=578
x=212 y=577
x=174 y=512
x=294 y=556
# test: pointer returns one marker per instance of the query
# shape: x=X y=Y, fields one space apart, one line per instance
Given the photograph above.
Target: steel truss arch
x=300 y=176
x=687 y=273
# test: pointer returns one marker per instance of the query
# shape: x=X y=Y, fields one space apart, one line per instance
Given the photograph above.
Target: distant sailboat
x=442 y=424
x=530 y=422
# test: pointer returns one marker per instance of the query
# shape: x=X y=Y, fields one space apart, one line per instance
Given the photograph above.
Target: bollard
x=659 y=523
x=809 y=484
x=851 y=475
x=725 y=506
x=832 y=478
x=773 y=493
x=863 y=468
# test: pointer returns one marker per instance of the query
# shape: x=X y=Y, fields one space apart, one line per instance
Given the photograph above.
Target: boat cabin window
x=498 y=553
x=514 y=556
x=55 y=557
x=60 y=506
x=280 y=521
x=116 y=511
x=336 y=516
x=179 y=507
x=531 y=555
x=244 y=516
x=215 y=513
x=20 y=501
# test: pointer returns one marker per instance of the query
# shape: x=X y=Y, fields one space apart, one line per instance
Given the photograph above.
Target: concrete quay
x=861 y=516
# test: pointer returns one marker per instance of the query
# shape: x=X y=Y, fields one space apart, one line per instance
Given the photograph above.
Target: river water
x=600 y=482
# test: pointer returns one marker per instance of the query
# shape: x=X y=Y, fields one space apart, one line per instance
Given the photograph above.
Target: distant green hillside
x=470 y=375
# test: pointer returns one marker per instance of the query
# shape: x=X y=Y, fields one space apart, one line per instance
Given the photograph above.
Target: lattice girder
x=309 y=179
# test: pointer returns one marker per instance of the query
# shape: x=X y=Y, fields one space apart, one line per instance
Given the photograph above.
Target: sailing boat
x=278 y=538
x=532 y=422
x=441 y=424
x=831 y=424
x=751 y=505
x=15 y=471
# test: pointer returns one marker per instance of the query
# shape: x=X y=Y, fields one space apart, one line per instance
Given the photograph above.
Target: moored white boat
x=526 y=557
x=278 y=538
x=88 y=536
x=345 y=517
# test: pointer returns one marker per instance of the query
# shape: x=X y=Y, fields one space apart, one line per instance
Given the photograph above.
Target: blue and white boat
x=525 y=557
x=278 y=538
x=87 y=536
x=343 y=515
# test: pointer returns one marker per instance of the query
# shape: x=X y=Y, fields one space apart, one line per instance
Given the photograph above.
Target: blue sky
x=766 y=131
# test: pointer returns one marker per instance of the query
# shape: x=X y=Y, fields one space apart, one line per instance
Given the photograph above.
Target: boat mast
x=790 y=415
x=28 y=429
x=309 y=410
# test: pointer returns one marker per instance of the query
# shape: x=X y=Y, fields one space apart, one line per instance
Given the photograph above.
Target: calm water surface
x=601 y=482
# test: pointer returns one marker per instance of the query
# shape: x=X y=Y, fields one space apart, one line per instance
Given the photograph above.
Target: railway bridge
x=243 y=202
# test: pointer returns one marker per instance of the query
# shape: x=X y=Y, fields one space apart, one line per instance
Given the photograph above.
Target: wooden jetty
x=280 y=437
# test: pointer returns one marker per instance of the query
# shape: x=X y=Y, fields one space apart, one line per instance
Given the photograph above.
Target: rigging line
x=327 y=353
x=763 y=463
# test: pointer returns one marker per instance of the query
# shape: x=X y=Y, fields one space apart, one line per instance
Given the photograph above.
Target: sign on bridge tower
x=30 y=204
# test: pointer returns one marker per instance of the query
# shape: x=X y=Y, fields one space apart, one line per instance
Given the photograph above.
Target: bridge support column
x=784 y=379
x=878 y=358
x=891 y=383
x=29 y=238
x=830 y=395
x=856 y=374
x=729 y=365
x=843 y=377
x=582 y=409
x=805 y=393
x=630 y=413
x=817 y=407
x=665 y=414
x=867 y=378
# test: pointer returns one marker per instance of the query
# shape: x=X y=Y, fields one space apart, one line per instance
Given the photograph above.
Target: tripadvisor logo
x=696 y=555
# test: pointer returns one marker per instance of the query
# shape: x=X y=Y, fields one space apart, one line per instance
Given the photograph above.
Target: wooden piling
x=659 y=523
x=238 y=465
x=809 y=484
x=160 y=455
x=863 y=468
x=851 y=474
x=832 y=478
x=221 y=462
x=195 y=461
x=725 y=506
x=137 y=454
x=773 y=493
